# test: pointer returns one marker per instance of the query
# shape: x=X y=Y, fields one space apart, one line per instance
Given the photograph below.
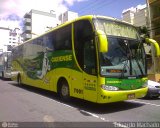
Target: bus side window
x=63 y=38
x=83 y=40
x=49 y=41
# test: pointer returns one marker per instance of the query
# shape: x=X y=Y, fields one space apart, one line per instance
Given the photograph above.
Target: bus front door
x=90 y=73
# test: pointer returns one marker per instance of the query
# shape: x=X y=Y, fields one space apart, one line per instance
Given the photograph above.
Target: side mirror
x=142 y=37
x=155 y=44
x=103 y=43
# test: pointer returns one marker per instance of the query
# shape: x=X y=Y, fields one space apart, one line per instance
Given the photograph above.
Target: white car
x=153 y=89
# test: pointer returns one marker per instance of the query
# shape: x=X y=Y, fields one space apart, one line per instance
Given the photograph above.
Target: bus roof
x=113 y=19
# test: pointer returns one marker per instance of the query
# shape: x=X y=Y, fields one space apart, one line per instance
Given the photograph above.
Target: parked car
x=153 y=89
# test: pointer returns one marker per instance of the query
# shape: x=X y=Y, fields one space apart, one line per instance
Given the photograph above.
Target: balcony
x=156 y=19
x=27 y=21
x=27 y=15
x=27 y=29
x=156 y=34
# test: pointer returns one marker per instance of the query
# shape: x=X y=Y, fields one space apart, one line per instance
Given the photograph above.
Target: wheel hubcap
x=64 y=90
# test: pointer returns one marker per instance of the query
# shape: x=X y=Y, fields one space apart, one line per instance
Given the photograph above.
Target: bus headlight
x=109 y=88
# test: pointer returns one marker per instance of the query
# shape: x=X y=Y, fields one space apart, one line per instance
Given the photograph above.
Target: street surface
x=28 y=104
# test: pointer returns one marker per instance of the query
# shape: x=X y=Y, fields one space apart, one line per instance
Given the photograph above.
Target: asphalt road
x=28 y=104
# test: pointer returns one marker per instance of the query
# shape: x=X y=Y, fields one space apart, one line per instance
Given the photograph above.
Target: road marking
x=93 y=115
x=157 y=105
x=81 y=110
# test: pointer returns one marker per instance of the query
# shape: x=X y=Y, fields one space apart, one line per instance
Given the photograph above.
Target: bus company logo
x=4 y=124
x=61 y=58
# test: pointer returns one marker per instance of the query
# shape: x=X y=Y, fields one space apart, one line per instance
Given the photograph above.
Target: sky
x=12 y=11
x=113 y=8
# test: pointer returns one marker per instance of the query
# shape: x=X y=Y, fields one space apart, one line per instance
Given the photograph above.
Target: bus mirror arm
x=155 y=44
x=103 y=43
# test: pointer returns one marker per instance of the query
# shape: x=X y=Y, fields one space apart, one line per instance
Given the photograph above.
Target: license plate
x=131 y=96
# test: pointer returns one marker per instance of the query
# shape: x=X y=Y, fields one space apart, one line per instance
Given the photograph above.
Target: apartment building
x=15 y=38
x=153 y=7
x=9 y=38
x=128 y=15
x=67 y=16
x=38 y=22
x=136 y=15
x=140 y=16
x=4 y=40
x=154 y=11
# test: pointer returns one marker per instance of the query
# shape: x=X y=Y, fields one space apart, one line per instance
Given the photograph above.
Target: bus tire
x=63 y=90
x=19 y=81
x=2 y=75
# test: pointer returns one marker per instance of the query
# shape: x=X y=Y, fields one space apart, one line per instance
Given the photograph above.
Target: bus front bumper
x=115 y=96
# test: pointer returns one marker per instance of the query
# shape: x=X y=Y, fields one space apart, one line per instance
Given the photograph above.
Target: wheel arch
x=2 y=74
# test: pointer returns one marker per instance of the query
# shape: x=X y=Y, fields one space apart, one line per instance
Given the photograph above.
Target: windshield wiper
x=125 y=53
x=124 y=70
x=139 y=66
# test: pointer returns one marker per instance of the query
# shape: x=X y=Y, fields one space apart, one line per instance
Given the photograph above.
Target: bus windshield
x=126 y=55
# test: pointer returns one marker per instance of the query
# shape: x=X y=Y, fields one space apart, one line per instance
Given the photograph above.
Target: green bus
x=95 y=58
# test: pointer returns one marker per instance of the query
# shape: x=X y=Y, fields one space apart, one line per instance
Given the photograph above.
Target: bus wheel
x=19 y=79
x=64 y=91
x=2 y=75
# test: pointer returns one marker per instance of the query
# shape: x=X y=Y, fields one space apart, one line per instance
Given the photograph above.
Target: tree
x=143 y=31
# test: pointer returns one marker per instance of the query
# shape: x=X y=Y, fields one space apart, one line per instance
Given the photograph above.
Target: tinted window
x=63 y=39
x=49 y=41
x=84 y=46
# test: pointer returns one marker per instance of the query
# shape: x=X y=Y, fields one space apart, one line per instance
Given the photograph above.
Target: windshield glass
x=125 y=58
x=126 y=55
